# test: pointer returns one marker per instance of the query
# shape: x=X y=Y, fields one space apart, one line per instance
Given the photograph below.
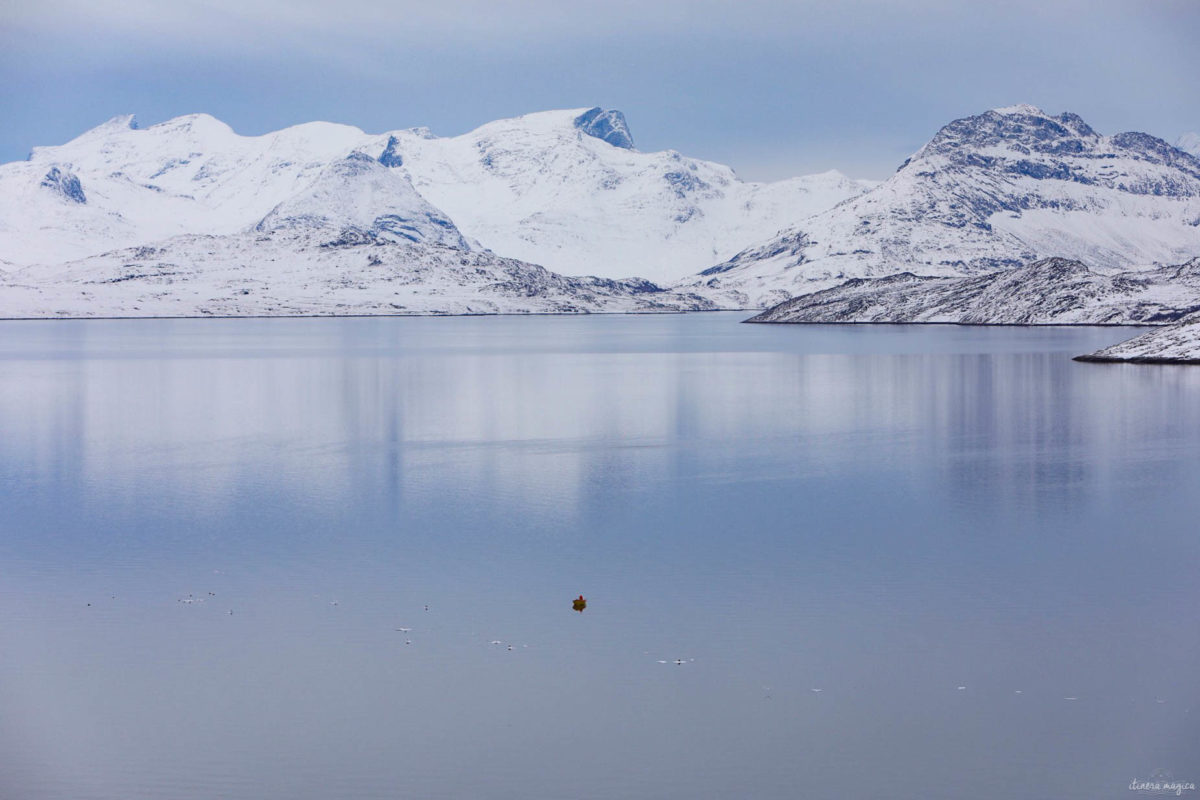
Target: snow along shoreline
x=381 y=315
x=1173 y=344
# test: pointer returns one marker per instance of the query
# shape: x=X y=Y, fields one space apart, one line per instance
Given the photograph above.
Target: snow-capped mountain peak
x=987 y=192
x=1019 y=108
x=606 y=125
x=565 y=189
x=1023 y=140
x=1019 y=130
x=190 y=174
x=358 y=197
x=115 y=126
x=120 y=122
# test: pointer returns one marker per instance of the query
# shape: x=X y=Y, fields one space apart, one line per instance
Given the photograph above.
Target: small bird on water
x=579 y=604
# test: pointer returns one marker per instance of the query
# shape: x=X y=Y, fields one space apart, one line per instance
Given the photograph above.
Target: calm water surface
x=983 y=555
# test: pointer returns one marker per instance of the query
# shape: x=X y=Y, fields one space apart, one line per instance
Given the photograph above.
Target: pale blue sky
x=772 y=88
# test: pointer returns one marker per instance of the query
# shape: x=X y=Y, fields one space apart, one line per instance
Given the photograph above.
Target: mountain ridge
x=1052 y=291
x=988 y=192
x=565 y=189
x=569 y=190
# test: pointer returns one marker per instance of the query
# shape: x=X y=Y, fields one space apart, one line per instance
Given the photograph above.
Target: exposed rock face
x=607 y=126
x=390 y=157
x=1053 y=291
x=65 y=184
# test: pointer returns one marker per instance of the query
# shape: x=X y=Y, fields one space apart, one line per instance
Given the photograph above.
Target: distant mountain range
x=562 y=189
x=357 y=239
x=188 y=217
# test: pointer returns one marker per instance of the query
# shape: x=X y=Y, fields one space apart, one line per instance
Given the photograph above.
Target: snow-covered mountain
x=358 y=196
x=121 y=186
x=564 y=189
x=308 y=270
x=1189 y=143
x=988 y=192
x=357 y=239
x=568 y=190
x=1053 y=291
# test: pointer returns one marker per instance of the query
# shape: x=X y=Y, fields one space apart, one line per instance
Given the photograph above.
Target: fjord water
x=213 y=532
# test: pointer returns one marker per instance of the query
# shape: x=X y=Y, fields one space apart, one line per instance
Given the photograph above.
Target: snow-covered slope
x=192 y=174
x=564 y=189
x=359 y=195
x=357 y=239
x=545 y=189
x=1053 y=291
x=314 y=271
x=1174 y=344
x=988 y=192
x=1189 y=143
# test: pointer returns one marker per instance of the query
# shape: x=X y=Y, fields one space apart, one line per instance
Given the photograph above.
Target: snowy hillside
x=357 y=239
x=359 y=194
x=189 y=175
x=1174 y=344
x=305 y=272
x=1054 y=291
x=988 y=192
x=568 y=190
x=545 y=189
x=1189 y=143
x=564 y=189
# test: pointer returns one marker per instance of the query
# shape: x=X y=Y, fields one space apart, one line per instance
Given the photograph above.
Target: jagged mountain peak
x=549 y=188
x=560 y=125
x=564 y=189
x=1020 y=130
x=988 y=192
x=120 y=122
x=1040 y=144
x=606 y=125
